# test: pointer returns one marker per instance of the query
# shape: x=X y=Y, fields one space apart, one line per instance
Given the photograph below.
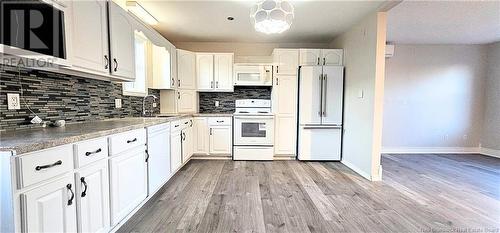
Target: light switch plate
x=13 y=101
x=216 y=103
x=118 y=103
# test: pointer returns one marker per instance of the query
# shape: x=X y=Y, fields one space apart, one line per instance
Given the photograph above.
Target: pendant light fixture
x=272 y=16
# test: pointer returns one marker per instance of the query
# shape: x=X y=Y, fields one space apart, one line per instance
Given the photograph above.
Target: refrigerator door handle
x=325 y=91
x=320 y=95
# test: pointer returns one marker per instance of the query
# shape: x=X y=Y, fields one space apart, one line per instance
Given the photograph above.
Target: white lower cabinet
x=128 y=184
x=200 y=137
x=92 y=198
x=50 y=207
x=220 y=139
x=158 y=156
x=175 y=149
x=187 y=142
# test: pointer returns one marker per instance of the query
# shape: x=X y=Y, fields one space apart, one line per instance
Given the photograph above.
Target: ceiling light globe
x=272 y=16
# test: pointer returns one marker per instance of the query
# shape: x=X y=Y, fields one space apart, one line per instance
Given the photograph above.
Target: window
x=138 y=87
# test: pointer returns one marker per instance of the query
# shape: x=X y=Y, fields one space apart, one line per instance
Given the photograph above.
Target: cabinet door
x=50 y=207
x=223 y=64
x=128 y=182
x=187 y=144
x=92 y=195
x=186 y=69
x=175 y=151
x=220 y=140
x=285 y=135
x=332 y=57
x=286 y=60
x=161 y=68
x=310 y=57
x=89 y=35
x=122 y=43
x=173 y=65
x=285 y=93
x=186 y=101
x=205 y=71
x=159 y=158
x=200 y=136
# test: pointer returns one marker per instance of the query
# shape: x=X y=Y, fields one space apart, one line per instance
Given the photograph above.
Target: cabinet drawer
x=90 y=151
x=219 y=121
x=125 y=141
x=176 y=125
x=42 y=165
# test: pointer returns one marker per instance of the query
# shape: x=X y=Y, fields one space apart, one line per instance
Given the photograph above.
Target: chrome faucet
x=144 y=105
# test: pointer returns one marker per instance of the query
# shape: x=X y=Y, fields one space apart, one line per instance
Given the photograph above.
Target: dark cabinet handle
x=173 y=82
x=133 y=140
x=178 y=95
x=210 y=131
x=116 y=64
x=178 y=82
x=88 y=153
x=184 y=136
x=216 y=84
x=318 y=60
x=70 y=201
x=176 y=126
x=84 y=193
x=106 y=65
x=277 y=69
x=38 y=168
x=147 y=156
x=220 y=121
x=324 y=61
x=191 y=125
x=187 y=122
x=277 y=81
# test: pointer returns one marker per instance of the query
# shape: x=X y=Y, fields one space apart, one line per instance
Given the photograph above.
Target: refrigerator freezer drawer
x=317 y=143
x=253 y=153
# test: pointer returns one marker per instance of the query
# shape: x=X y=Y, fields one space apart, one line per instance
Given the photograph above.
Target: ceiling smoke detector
x=272 y=16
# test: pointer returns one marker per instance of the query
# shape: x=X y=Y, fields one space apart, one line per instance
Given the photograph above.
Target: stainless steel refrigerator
x=320 y=112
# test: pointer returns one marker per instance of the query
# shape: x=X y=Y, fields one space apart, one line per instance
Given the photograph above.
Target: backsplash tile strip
x=227 y=99
x=55 y=96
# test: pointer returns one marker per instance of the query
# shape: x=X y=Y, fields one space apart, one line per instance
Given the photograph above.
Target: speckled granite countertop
x=29 y=140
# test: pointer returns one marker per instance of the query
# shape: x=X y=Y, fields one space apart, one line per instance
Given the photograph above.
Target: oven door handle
x=254 y=117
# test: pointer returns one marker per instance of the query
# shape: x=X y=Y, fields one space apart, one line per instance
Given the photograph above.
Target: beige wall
x=434 y=98
x=364 y=63
x=243 y=49
x=491 y=129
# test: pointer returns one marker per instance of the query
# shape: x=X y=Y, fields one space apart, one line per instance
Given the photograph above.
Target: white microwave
x=253 y=75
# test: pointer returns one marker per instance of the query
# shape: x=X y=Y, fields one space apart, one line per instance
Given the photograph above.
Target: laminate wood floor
x=419 y=193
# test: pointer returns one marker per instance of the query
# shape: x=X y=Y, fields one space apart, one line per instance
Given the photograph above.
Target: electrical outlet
x=216 y=103
x=13 y=101
x=118 y=103
x=154 y=105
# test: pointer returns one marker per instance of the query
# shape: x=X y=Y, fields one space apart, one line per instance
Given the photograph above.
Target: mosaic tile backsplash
x=227 y=99
x=54 y=96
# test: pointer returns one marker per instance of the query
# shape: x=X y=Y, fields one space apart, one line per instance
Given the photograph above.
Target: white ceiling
x=444 y=22
x=205 y=21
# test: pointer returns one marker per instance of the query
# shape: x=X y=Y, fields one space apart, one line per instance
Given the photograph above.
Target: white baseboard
x=431 y=150
x=356 y=169
x=490 y=152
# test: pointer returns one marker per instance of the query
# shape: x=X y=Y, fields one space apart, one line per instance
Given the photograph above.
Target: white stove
x=253 y=130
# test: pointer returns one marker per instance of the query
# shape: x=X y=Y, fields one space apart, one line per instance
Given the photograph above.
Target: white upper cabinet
x=310 y=57
x=286 y=61
x=327 y=57
x=186 y=101
x=89 y=36
x=186 y=66
x=205 y=71
x=121 y=42
x=50 y=207
x=161 y=68
x=332 y=57
x=214 y=71
x=223 y=64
